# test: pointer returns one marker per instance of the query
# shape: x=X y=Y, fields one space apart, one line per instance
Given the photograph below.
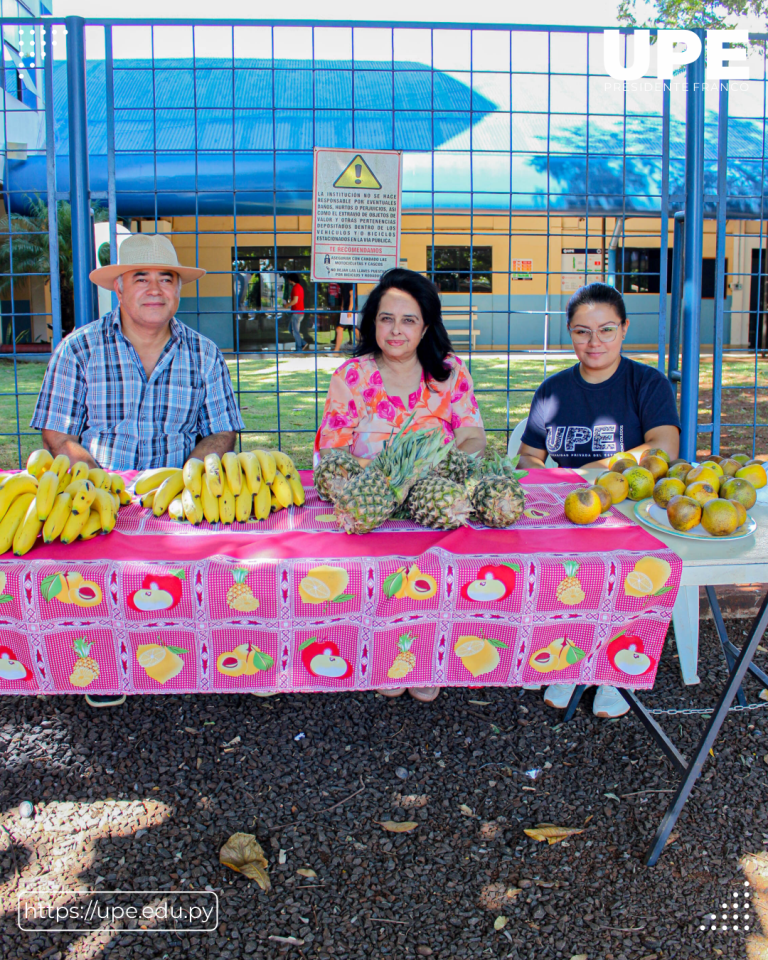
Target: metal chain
x=708 y=710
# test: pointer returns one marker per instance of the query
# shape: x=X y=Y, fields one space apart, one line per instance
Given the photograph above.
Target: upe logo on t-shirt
x=603 y=437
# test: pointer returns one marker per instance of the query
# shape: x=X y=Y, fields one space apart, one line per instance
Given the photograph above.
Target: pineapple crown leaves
x=571 y=568
x=239 y=573
x=404 y=641
x=82 y=647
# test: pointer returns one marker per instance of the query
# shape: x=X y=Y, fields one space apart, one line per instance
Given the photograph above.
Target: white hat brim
x=105 y=276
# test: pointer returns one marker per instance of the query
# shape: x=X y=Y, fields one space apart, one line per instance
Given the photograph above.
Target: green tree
x=26 y=237
x=685 y=14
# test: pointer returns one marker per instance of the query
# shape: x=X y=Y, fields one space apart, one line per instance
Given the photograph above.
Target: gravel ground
x=143 y=797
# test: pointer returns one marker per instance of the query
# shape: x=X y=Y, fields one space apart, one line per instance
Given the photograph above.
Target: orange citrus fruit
x=754 y=473
x=705 y=475
x=741 y=458
x=730 y=466
x=640 y=483
x=621 y=456
x=621 y=466
x=605 y=497
x=740 y=510
x=742 y=490
x=719 y=517
x=683 y=513
x=656 y=465
x=583 y=506
x=680 y=470
x=713 y=465
x=615 y=483
x=701 y=491
x=665 y=489
x=657 y=452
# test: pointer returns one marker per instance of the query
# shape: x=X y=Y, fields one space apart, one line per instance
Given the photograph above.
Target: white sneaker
x=609 y=703
x=531 y=686
x=558 y=695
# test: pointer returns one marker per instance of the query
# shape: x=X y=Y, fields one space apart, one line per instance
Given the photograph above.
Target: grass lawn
x=287 y=395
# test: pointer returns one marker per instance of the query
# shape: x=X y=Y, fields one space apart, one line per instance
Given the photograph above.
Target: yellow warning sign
x=358 y=174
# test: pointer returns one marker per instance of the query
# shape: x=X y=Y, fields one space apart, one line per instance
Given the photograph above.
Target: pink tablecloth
x=158 y=607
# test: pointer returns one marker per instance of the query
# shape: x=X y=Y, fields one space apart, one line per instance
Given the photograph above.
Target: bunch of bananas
x=237 y=486
x=58 y=500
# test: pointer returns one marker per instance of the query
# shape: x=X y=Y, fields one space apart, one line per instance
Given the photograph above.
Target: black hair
x=597 y=293
x=435 y=345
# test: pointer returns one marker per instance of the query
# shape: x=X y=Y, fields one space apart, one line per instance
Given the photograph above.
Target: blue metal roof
x=210 y=139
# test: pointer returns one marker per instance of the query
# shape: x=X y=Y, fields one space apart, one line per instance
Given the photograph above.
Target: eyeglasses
x=605 y=334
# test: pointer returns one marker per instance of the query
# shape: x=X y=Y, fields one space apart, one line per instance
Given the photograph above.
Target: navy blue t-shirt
x=578 y=422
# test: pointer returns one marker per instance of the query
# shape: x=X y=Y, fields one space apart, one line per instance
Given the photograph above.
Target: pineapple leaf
x=343 y=597
x=393 y=583
x=177 y=650
x=307 y=643
x=496 y=643
x=404 y=641
x=239 y=574
x=512 y=566
x=177 y=573
x=5 y=598
x=52 y=586
x=571 y=568
x=261 y=660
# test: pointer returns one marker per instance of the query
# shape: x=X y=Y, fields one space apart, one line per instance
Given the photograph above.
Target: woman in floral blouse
x=403 y=365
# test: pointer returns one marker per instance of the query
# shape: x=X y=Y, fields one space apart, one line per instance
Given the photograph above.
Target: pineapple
x=333 y=472
x=86 y=669
x=498 y=501
x=372 y=496
x=457 y=466
x=240 y=596
x=570 y=590
x=405 y=661
x=439 y=503
x=502 y=466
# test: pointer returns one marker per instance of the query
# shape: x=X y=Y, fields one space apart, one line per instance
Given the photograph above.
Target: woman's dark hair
x=435 y=345
x=597 y=293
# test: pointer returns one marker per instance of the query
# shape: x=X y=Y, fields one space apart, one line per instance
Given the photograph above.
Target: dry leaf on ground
x=306 y=873
x=467 y=811
x=550 y=833
x=764 y=694
x=243 y=853
x=500 y=922
x=410 y=801
x=579 y=956
x=513 y=892
x=404 y=826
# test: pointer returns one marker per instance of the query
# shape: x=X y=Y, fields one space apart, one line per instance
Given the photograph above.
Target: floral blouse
x=359 y=413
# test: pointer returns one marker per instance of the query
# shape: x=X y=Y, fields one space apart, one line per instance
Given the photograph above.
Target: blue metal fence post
x=82 y=245
x=673 y=366
x=665 y=118
x=717 y=348
x=53 y=209
x=694 y=246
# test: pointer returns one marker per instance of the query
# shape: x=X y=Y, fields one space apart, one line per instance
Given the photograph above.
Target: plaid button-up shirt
x=96 y=388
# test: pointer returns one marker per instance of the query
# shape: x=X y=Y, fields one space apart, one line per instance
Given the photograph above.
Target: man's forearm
x=219 y=443
x=59 y=444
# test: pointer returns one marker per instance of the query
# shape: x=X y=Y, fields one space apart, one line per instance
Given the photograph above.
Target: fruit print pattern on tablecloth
x=408 y=585
x=403 y=655
x=628 y=655
x=72 y=594
x=325 y=658
x=244 y=659
x=261 y=595
x=327 y=590
x=480 y=650
x=496 y=585
x=644 y=582
x=16 y=673
x=10 y=594
x=568 y=583
x=166 y=660
x=555 y=653
x=82 y=660
x=156 y=592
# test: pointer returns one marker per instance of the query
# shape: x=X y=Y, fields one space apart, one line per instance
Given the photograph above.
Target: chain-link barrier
x=706 y=711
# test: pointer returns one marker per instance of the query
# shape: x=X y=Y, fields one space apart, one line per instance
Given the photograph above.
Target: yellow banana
x=104 y=505
x=92 y=526
x=168 y=490
x=74 y=487
x=64 y=481
x=99 y=478
x=267 y=464
x=192 y=506
x=83 y=497
x=284 y=464
x=151 y=479
x=226 y=503
x=210 y=502
x=250 y=466
x=6 y=476
x=243 y=503
x=58 y=516
x=148 y=499
x=274 y=504
x=282 y=490
x=18 y=484
x=114 y=498
x=124 y=497
x=262 y=503
x=213 y=472
x=47 y=488
x=294 y=482
x=116 y=483
x=27 y=531
x=39 y=461
x=13 y=520
x=176 y=510
x=60 y=464
x=73 y=526
x=193 y=475
x=80 y=470
x=233 y=472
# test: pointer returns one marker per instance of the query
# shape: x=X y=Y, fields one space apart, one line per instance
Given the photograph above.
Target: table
x=704 y=564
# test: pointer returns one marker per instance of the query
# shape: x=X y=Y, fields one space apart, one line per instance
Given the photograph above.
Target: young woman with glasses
x=604 y=404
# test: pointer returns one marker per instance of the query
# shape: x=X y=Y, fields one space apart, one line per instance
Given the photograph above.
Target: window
x=638 y=271
x=461 y=269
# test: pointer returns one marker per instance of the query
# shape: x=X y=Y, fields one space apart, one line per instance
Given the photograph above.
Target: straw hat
x=144 y=251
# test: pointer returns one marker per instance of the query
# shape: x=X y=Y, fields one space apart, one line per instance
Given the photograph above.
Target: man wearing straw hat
x=138 y=388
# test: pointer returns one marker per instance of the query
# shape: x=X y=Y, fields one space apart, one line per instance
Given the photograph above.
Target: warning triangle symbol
x=358 y=174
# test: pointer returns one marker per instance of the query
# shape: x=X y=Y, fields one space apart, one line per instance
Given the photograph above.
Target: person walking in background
x=346 y=317
x=296 y=306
